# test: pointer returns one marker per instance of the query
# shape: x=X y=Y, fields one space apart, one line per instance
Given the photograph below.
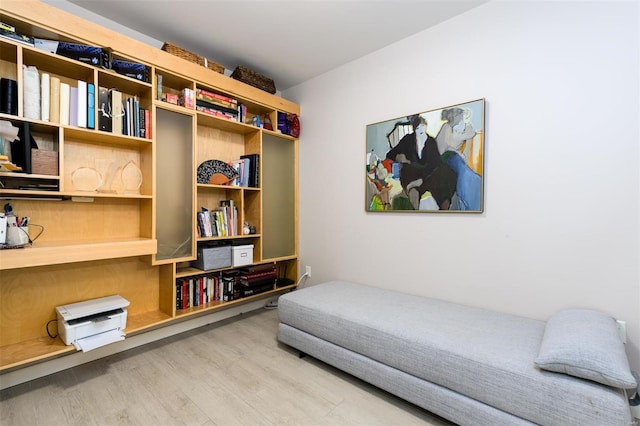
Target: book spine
x=65 y=93
x=82 y=104
x=73 y=106
x=31 y=92
x=215 y=95
x=104 y=110
x=116 y=112
x=45 y=96
x=91 y=106
x=54 y=99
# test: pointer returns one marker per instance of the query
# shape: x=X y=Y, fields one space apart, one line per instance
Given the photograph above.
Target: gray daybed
x=468 y=365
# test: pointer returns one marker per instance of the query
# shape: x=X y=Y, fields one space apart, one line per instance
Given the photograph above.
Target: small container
x=242 y=255
x=213 y=257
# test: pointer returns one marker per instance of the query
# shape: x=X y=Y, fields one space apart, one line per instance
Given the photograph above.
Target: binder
x=104 y=109
x=81 y=112
x=116 y=112
x=91 y=106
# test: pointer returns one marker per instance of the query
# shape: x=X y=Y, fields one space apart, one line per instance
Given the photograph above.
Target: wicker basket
x=254 y=79
x=192 y=57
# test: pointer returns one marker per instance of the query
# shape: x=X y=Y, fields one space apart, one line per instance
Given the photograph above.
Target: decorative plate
x=86 y=179
x=216 y=172
x=131 y=178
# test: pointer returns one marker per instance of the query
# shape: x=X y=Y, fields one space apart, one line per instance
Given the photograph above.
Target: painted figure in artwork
x=454 y=144
x=422 y=169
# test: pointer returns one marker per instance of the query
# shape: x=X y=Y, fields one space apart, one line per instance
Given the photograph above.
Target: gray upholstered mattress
x=483 y=355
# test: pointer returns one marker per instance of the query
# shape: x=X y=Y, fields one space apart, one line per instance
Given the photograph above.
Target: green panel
x=278 y=197
x=174 y=184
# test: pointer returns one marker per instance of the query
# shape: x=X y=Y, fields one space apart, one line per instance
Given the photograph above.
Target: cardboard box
x=211 y=257
x=242 y=255
x=44 y=162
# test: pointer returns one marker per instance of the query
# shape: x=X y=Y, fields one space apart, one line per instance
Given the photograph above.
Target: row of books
x=224 y=286
x=197 y=291
x=221 y=222
x=247 y=168
x=47 y=98
x=122 y=115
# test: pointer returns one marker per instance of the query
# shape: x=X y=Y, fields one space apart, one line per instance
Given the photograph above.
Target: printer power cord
x=48 y=332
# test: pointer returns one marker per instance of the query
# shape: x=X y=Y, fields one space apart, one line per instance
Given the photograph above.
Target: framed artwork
x=432 y=161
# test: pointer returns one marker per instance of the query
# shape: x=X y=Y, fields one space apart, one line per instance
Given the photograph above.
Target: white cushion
x=585 y=343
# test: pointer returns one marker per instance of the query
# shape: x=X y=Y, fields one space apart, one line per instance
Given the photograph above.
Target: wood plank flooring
x=230 y=373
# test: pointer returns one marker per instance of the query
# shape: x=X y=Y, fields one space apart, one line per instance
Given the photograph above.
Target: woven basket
x=254 y=79
x=192 y=57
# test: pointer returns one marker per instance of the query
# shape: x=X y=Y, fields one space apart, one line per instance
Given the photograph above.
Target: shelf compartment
x=68 y=70
x=8 y=60
x=107 y=168
x=224 y=124
x=217 y=305
x=168 y=83
x=42 y=348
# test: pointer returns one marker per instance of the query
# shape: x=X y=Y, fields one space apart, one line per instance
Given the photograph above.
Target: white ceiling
x=288 y=41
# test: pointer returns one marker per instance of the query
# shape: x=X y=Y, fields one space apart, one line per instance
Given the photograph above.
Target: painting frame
x=427 y=162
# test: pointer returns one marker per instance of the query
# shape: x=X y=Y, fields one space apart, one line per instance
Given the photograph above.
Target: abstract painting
x=432 y=161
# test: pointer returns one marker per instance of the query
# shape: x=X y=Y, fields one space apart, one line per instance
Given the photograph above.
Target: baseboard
x=31 y=372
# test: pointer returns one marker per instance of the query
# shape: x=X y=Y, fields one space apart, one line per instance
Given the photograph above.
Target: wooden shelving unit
x=133 y=243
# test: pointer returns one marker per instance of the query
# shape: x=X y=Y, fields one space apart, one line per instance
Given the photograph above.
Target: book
x=30 y=92
x=54 y=99
x=91 y=106
x=147 y=123
x=73 y=106
x=217 y=107
x=117 y=112
x=254 y=168
x=45 y=98
x=65 y=93
x=81 y=112
x=214 y=95
x=104 y=109
x=7 y=33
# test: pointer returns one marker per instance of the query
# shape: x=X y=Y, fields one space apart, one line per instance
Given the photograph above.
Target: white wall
x=562 y=192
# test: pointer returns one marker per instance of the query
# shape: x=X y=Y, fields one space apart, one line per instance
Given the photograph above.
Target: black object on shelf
x=8 y=96
x=21 y=148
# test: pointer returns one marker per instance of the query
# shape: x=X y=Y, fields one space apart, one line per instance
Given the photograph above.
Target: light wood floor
x=230 y=373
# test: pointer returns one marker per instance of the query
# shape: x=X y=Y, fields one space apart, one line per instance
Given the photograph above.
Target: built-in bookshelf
x=120 y=207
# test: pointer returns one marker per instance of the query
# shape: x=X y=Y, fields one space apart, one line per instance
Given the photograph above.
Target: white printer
x=93 y=323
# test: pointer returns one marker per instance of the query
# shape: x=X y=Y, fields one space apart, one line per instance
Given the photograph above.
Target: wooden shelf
x=110 y=245
x=34 y=350
x=30 y=351
x=220 y=305
x=53 y=254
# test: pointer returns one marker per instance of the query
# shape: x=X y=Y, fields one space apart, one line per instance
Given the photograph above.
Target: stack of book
x=217 y=105
x=256 y=279
x=9 y=32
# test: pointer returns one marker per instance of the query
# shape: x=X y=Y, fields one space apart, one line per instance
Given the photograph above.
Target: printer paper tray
x=88 y=343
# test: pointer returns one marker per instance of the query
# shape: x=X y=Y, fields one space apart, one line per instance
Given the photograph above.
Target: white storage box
x=242 y=255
